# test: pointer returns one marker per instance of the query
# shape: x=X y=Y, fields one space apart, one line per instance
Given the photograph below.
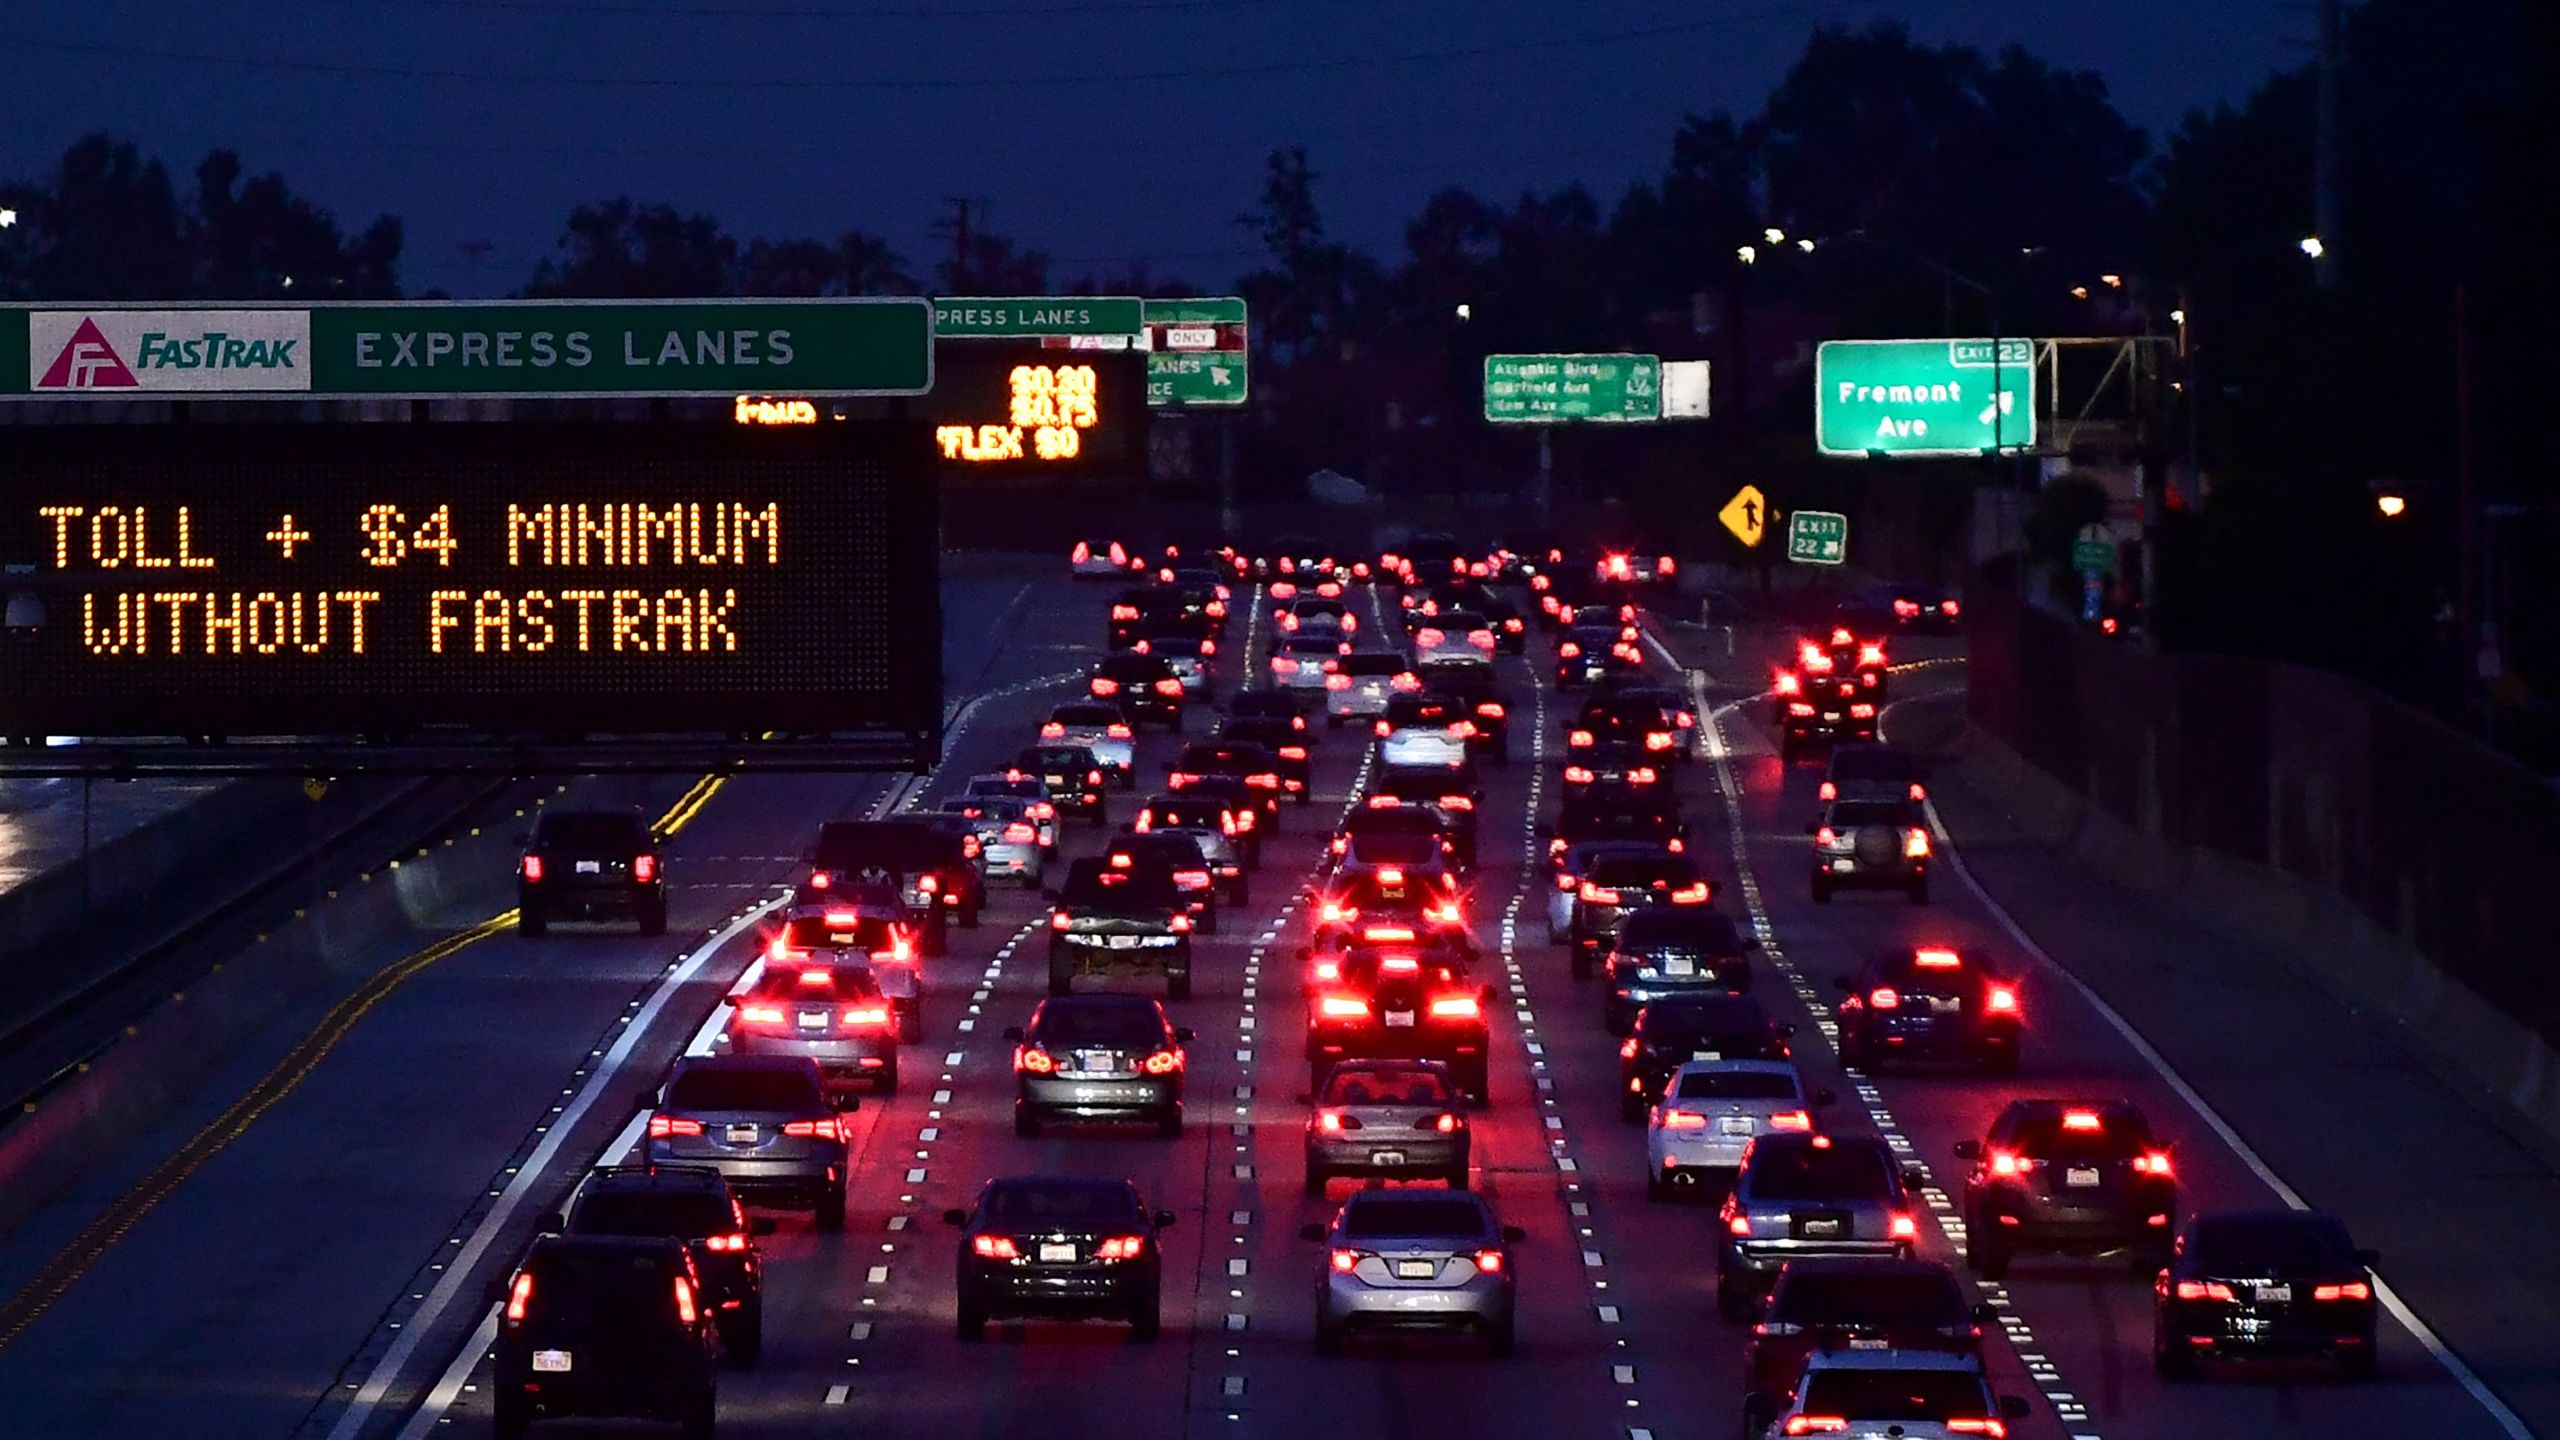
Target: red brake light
x=994 y=1247
x=1816 y=1424
x=1033 y=1059
x=1905 y=1228
x=1627 y=1050
x=1181 y=924
x=1569 y=650
x=1448 y=1124
x=1455 y=1007
x=1919 y=791
x=1060 y=920
x=1390 y=875
x=1738 y=1225
x=761 y=1014
x=1828 y=791
x=1579 y=738
x=866 y=1015
x=644 y=868
x=1884 y=997
x=2204 y=1290
x=1598 y=894
x=685 y=1313
x=661 y=1126
x=1826 y=837
x=1344 y=1006
x=1788 y=684
x=1168 y=687
x=1915 y=844
x=1682 y=1120
x=1105 y=685
x=2352 y=1290
x=2084 y=1120
x=2002 y=1000
x=729 y=1244
x=519 y=1295
x=1792 y=1120
x=1163 y=1062
x=532 y=869
x=1116 y=732
x=2004 y=1162
x=1081 y=553
x=2155 y=1162
x=1489 y=1262
x=831 y=1128
x=1122 y=1247
x=1996 y=1429
x=1329 y=1122
x=1862 y=711
x=1344 y=1260
x=1936 y=959
x=1695 y=894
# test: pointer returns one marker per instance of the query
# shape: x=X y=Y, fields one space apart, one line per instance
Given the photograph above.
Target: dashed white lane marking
x=837 y=1394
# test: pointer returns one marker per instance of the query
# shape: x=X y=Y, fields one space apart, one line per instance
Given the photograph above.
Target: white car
x=1102 y=560
x=1710 y=1112
x=1098 y=727
x=1914 y=1394
x=1359 y=684
x=1315 y=615
x=1453 y=635
x=1301 y=662
x=1039 y=806
x=1009 y=844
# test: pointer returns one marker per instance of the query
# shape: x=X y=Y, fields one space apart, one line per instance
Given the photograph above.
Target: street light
x=2392 y=506
x=1774 y=235
x=2312 y=247
x=1747 y=254
x=8 y=218
x=1805 y=244
x=1466 y=311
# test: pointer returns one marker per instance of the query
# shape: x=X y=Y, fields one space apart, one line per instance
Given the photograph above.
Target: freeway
x=292 y=1286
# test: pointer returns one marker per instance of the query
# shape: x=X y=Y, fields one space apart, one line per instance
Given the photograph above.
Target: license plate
x=590 y=867
x=1053 y=1253
x=739 y=1134
x=1387 y=1157
x=1120 y=942
x=1822 y=1227
x=2268 y=1293
x=2081 y=1177
x=1417 y=1269
x=809 y=1021
x=1843 y=867
x=1735 y=1125
x=551 y=1362
x=1706 y=1054
x=1055 y=781
x=1391 y=892
x=1945 y=1004
x=1858 y=1344
x=1399 y=1019
x=1098 y=1064
x=1679 y=967
x=1831 y=715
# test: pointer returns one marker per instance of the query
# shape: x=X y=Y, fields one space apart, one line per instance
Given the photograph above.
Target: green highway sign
x=1014 y=316
x=439 y=349
x=1196 y=351
x=1543 y=389
x=1818 y=537
x=1924 y=397
x=2093 y=556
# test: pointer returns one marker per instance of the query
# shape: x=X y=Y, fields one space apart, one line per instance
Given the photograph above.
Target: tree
x=616 y=249
x=259 y=240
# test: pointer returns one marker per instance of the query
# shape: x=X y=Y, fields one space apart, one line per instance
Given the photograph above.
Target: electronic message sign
x=1028 y=409
x=551 y=579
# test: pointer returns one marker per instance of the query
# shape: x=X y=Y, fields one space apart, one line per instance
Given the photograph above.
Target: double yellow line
x=74 y=1260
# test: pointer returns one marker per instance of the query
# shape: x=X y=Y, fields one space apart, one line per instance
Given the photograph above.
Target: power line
x=948 y=82
x=740 y=11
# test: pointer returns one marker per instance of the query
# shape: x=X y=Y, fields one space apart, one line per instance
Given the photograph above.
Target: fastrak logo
x=106 y=353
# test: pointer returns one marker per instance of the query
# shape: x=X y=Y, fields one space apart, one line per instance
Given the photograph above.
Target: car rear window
x=579 y=1284
x=1896 y=1394
x=2047 y=1137
x=1700 y=931
x=2279 y=1243
x=1815 y=1298
x=1455 y=1218
x=1736 y=1085
x=1684 y=1015
x=1086 y=715
x=1385 y=1087
x=703 y=1088
x=1851 y=814
x=1397 y=848
x=1058 y=757
x=1372 y=664
x=817 y=932
x=1120 y=889
x=1642 y=870
x=1019 y=1200
x=1804 y=1172
x=835 y=982
x=589 y=832
x=1117 y=1027
x=685 y=1214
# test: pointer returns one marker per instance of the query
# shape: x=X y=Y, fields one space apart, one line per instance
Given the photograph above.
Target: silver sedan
x=1389 y=1118
x=1415 y=1259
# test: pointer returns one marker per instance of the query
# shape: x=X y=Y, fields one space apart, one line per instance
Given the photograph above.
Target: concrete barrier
x=2311 y=928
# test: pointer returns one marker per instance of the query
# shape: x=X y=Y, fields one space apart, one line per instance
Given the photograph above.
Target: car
x=586 y=864
x=1057 y=1247
x=2067 y=1177
x=1625 y=716
x=933 y=871
x=1651 y=815
x=1677 y=1029
x=1425 y=730
x=2255 y=1283
x=1919 y=1394
x=1909 y=606
x=1078 y=785
x=1671 y=700
x=1415 y=1259
x=1098 y=1057
x=1365 y=892
x=1221 y=829
x=1821 y=703
x=1629 y=565
x=1119 y=921
x=1145 y=686
x=1178 y=856
x=1571 y=864
x=1412 y=842
x=863 y=923
x=828 y=1010
x=1472 y=685
x=1132 y=610
x=1662 y=951
x=1394 y=1119
x=1871 y=845
x=1358 y=684
x=1246 y=776
x=1009 y=845
x=1098 y=726
x=1616 y=886
x=1285 y=741
x=1201 y=589
x=1271 y=702
x=1423 y=827
x=1590 y=654
x=1451 y=792
x=1711 y=1111
x=690 y=1203
x=1430 y=557
x=1879 y=773
x=1305 y=664
x=1615 y=765
x=604 y=1327
x=1184 y=650
x=1929 y=1002
x=1400 y=1001
x=1453 y=635
x=1317 y=615
x=1102 y=560
x=1033 y=791
x=1802 y=1195
x=1859 y=1306
x=766 y=1122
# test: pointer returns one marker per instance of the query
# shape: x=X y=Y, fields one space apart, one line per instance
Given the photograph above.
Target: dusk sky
x=1100 y=130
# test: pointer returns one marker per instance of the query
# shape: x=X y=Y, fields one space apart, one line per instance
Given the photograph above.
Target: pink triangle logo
x=88 y=362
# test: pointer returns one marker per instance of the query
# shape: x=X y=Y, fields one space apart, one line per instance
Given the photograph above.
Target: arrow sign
x=1744 y=515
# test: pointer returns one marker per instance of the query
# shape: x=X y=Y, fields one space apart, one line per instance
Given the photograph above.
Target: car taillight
x=1163 y=1062
x=761 y=1014
x=1019 y=833
x=1121 y=1247
x=1816 y=1424
x=1060 y=920
x=532 y=869
x=928 y=884
x=2001 y=1000
x=1293 y=752
x=1344 y=1260
x=861 y=1015
x=1382 y=730
x=1862 y=711
x=1343 y=1006
x=1885 y=997
x=1336 y=680
x=1105 y=685
x=1488 y=1262
x=1948 y=607
x=1915 y=844
x=1690 y=894
x=1116 y=732
x=2085 y=1121
x=994 y=1247
x=1455 y=1007
x=730 y=1244
x=1054 y=730
x=1827 y=792
x=1680 y=1120
x=2351 y=1290
x=831 y=1128
x=1737 y=1225
x=1033 y=1059
x=1792 y=1120
x=2155 y=1162
x=1598 y=894
x=1407 y=682
x=663 y=1126
x=1799 y=708
x=1448 y=1124
x=1180 y=924
x=1826 y=837
x=520 y=1295
x=1569 y=650
x=2006 y=1162
x=1919 y=791
x=1333 y=1122
x=1577 y=775
x=1124 y=612
x=2203 y=1290
x=1904 y=1228
x=1627 y=1050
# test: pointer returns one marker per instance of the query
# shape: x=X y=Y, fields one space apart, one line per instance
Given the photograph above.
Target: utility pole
x=2325 y=161
x=957 y=227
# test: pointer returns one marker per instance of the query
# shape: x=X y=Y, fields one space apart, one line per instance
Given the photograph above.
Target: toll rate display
x=1021 y=407
x=513 y=579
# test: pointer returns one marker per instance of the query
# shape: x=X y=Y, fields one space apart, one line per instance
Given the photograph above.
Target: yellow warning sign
x=1745 y=515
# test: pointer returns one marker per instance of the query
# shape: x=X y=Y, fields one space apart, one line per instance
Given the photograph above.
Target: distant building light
x=2392 y=506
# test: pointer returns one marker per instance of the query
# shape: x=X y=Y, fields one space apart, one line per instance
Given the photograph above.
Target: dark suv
x=1851 y=1303
x=690 y=1203
x=929 y=866
x=605 y=1326
x=2068 y=1177
x=581 y=864
x=765 y=1122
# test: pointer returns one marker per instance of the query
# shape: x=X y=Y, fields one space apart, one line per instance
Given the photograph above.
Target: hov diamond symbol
x=88 y=362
